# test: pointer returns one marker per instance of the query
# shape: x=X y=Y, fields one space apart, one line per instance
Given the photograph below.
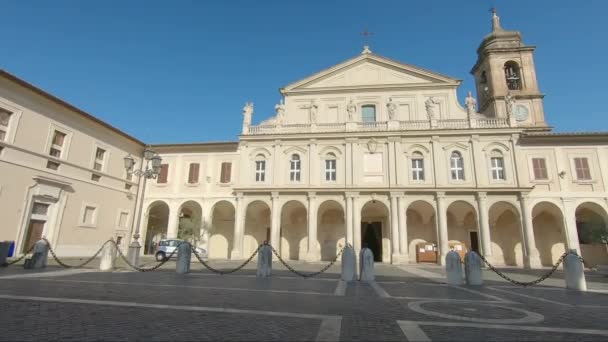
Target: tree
x=189 y=229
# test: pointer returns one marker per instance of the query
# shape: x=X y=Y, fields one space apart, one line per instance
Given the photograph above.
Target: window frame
x=5 y=129
x=328 y=171
x=260 y=169
x=369 y=105
x=497 y=170
x=65 y=148
x=197 y=174
x=229 y=180
x=81 y=219
x=295 y=168
x=458 y=169
x=167 y=174
x=586 y=169
x=15 y=117
x=417 y=171
x=120 y=212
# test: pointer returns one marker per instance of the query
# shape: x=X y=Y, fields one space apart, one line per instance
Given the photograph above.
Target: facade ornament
x=471 y=104
x=510 y=102
x=431 y=104
x=495 y=21
x=392 y=109
x=279 y=109
x=351 y=108
x=372 y=145
x=247 y=113
x=313 y=107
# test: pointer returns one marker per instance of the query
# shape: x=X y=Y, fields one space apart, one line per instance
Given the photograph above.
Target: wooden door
x=34 y=233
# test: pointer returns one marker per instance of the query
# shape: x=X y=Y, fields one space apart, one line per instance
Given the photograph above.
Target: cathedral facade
x=370 y=152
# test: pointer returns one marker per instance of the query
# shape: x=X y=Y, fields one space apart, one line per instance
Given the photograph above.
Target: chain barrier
x=534 y=282
x=308 y=275
x=220 y=272
x=149 y=269
x=6 y=264
x=62 y=264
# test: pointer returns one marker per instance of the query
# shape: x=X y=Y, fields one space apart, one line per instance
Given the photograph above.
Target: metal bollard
x=264 y=261
x=349 y=264
x=367 y=265
x=108 y=257
x=574 y=272
x=472 y=269
x=40 y=256
x=184 y=253
x=453 y=268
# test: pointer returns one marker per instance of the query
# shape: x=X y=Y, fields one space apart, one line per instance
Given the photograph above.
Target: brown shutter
x=164 y=171
x=193 y=173
x=225 y=174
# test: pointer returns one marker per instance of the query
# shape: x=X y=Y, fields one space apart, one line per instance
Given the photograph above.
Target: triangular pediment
x=370 y=70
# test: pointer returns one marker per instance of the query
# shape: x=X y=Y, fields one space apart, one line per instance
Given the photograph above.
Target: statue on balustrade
x=351 y=108
x=280 y=112
x=431 y=106
x=392 y=109
x=247 y=113
x=471 y=104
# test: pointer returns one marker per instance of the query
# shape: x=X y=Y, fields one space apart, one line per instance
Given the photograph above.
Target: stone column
x=173 y=222
x=442 y=228
x=239 y=228
x=349 y=218
x=313 y=252
x=275 y=223
x=403 y=245
x=356 y=225
x=313 y=158
x=395 y=229
x=484 y=225
x=571 y=232
x=531 y=256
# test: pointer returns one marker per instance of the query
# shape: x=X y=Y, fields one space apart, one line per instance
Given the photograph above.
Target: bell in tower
x=505 y=78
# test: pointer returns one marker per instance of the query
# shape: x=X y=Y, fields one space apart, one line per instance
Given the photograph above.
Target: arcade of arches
x=399 y=228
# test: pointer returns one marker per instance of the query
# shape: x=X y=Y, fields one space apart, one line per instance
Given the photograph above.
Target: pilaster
x=313 y=251
x=239 y=228
x=442 y=227
x=531 y=255
x=484 y=225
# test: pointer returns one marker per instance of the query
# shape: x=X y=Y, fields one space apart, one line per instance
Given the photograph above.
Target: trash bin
x=4 y=249
x=11 y=249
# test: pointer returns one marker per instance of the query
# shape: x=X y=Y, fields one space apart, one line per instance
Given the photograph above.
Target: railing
x=378 y=126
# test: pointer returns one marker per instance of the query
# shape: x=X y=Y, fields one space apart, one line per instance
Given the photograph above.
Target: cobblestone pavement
x=408 y=302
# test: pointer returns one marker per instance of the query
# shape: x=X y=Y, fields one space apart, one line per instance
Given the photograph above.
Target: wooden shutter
x=225 y=174
x=582 y=168
x=540 y=168
x=193 y=173
x=164 y=171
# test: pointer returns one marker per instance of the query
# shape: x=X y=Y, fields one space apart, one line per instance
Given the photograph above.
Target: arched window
x=294 y=168
x=260 y=168
x=368 y=113
x=456 y=166
x=513 y=75
x=417 y=166
x=497 y=165
x=330 y=167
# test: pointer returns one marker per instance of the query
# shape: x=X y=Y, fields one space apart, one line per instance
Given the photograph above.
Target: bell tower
x=505 y=78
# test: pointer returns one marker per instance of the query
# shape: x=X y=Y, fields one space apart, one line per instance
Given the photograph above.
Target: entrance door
x=34 y=233
x=474 y=242
x=371 y=237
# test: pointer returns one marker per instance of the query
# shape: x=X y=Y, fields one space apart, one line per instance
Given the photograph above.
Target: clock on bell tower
x=505 y=78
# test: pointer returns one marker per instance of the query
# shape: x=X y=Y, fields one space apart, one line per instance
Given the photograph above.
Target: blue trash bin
x=11 y=249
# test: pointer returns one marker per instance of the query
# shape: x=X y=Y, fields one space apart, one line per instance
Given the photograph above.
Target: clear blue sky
x=180 y=71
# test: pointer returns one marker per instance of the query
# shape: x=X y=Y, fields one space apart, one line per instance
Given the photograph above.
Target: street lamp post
x=153 y=158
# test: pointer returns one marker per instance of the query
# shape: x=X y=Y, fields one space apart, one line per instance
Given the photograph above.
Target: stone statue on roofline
x=247 y=113
x=392 y=109
x=431 y=106
x=471 y=104
x=279 y=109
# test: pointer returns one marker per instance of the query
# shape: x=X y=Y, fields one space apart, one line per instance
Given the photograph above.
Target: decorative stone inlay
x=528 y=316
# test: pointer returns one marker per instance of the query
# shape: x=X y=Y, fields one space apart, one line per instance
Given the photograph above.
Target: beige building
x=368 y=152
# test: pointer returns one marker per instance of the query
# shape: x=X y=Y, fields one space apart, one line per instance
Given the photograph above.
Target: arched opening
x=505 y=234
x=221 y=233
x=513 y=75
x=463 y=231
x=257 y=226
x=156 y=229
x=421 y=232
x=294 y=230
x=548 y=225
x=190 y=222
x=592 y=228
x=331 y=229
x=375 y=230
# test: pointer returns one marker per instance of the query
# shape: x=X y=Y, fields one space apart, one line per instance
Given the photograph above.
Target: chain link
x=149 y=269
x=6 y=264
x=62 y=264
x=308 y=275
x=220 y=272
x=534 y=282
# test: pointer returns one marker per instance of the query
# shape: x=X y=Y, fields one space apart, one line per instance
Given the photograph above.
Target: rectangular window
x=582 y=169
x=95 y=177
x=5 y=119
x=368 y=113
x=123 y=219
x=99 y=159
x=294 y=170
x=40 y=208
x=457 y=167
x=88 y=217
x=57 y=144
x=540 y=168
x=418 y=169
x=225 y=172
x=260 y=170
x=52 y=165
x=193 y=173
x=330 y=170
x=164 y=172
x=498 y=168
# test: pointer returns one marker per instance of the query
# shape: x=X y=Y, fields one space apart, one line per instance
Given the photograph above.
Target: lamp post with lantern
x=151 y=171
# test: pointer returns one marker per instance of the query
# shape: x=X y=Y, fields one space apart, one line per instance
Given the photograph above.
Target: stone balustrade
x=412 y=125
